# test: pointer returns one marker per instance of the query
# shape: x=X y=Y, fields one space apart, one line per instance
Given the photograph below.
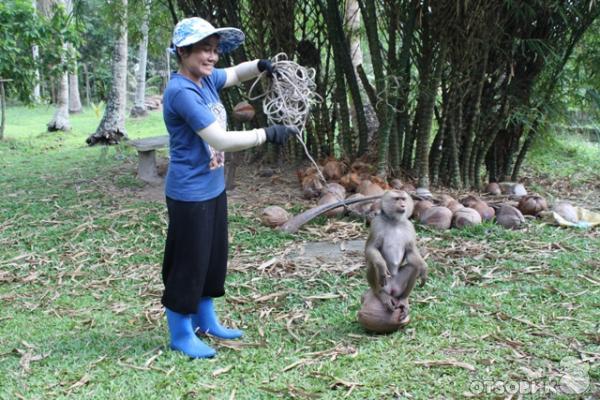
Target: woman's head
x=190 y=31
x=197 y=60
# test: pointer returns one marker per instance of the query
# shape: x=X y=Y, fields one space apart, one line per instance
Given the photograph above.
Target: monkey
x=393 y=259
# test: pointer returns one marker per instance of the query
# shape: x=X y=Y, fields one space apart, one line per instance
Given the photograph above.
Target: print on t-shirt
x=217 y=158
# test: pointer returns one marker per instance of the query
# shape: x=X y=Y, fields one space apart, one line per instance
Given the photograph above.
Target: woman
x=195 y=259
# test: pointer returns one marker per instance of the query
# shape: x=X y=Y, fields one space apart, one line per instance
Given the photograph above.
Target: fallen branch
x=296 y=222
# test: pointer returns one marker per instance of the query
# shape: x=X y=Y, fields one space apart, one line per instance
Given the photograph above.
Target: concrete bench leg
x=147 y=166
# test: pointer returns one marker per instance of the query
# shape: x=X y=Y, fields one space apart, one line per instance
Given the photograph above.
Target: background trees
x=447 y=92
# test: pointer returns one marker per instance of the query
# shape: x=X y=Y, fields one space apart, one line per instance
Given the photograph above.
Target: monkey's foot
x=405 y=321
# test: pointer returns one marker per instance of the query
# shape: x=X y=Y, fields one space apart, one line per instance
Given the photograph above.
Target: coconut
x=466 y=217
x=509 y=217
x=407 y=187
x=243 y=111
x=420 y=207
x=335 y=188
x=454 y=205
x=330 y=198
x=368 y=188
x=532 y=205
x=375 y=317
x=312 y=186
x=358 y=209
x=333 y=170
x=445 y=199
x=396 y=184
x=486 y=212
x=493 y=188
x=470 y=201
x=437 y=217
x=274 y=216
x=567 y=211
x=513 y=189
x=350 y=181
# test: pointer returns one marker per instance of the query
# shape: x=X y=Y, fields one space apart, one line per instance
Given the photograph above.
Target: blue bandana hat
x=191 y=30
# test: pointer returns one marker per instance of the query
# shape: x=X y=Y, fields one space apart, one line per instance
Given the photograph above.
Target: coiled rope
x=288 y=96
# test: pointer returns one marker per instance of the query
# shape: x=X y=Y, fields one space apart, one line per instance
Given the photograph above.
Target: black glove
x=279 y=134
x=266 y=66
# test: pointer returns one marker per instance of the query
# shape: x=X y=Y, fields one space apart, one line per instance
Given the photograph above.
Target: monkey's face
x=397 y=204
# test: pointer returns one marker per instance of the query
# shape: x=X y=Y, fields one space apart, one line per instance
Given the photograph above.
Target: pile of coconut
x=508 y=202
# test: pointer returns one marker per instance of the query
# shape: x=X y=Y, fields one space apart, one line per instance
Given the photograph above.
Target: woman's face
x=202 y=59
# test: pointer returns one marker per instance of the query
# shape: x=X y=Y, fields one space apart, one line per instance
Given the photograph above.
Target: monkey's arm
x=418 y=267
x=377 y=269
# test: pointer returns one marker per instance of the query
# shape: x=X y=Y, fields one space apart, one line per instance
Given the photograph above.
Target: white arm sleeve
x=222 y=140
x=241 y=73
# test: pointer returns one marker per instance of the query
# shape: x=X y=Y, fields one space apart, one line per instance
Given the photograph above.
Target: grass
x=80 y=288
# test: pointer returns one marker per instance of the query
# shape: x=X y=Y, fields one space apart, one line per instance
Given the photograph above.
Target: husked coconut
x=470 y=201
x=567 y=211
x=274 y=216
x=396 y=184
x=358 y=209
x=420 y=207
x=336 y=189
x=437 y=217
x=368 y=188
x=445 y=199
x=466 y=217
x=486 y=212
x=330 y=198
x=454 y=205
x=532 y=205
x=373 y=316
x=509 y=217
x=493 y=188
x=513 y=189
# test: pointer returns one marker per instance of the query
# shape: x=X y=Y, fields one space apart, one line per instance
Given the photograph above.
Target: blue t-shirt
x=195 y=168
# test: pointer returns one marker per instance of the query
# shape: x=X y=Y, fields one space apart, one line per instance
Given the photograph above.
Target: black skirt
x=195 y=260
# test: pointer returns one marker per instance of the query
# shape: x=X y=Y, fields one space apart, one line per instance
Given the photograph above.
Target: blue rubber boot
x=207 y=322
x=183 y=337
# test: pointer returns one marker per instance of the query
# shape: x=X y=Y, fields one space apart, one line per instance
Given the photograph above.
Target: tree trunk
x=2 y=109
x=342 y=57
x=112 y=126
x=74 y=98
x=60 y=121
x=139 y=107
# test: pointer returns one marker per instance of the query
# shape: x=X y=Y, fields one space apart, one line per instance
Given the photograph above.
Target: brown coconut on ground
x=375 y=317
x=437 y=217
x=532 y=205
x=509 y=217
x=466 y=217
x=274 y=216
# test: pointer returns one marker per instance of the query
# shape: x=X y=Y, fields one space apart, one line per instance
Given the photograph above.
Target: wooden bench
x=146 y=149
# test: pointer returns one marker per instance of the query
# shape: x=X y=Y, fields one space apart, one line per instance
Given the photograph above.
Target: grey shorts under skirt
x=195 y=260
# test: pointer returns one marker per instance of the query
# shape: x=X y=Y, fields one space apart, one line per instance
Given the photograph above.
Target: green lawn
x=80 y=313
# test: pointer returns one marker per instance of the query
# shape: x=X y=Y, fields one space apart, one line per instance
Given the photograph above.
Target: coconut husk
x=373 y=316
x=333 y=170
x=567 y=211
x=335 y=188
x=437 y=217
x=329 y=198
x=445 y=199
x=274 y=216
x=493 y=188
x=532 y=205
x=243 y=111
x=509 y=217
x=396 y=184
x=454 y=205
x=368 y=188
x=420 y=207
x=466 y=217
x=350 y=181
x=312 y=186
